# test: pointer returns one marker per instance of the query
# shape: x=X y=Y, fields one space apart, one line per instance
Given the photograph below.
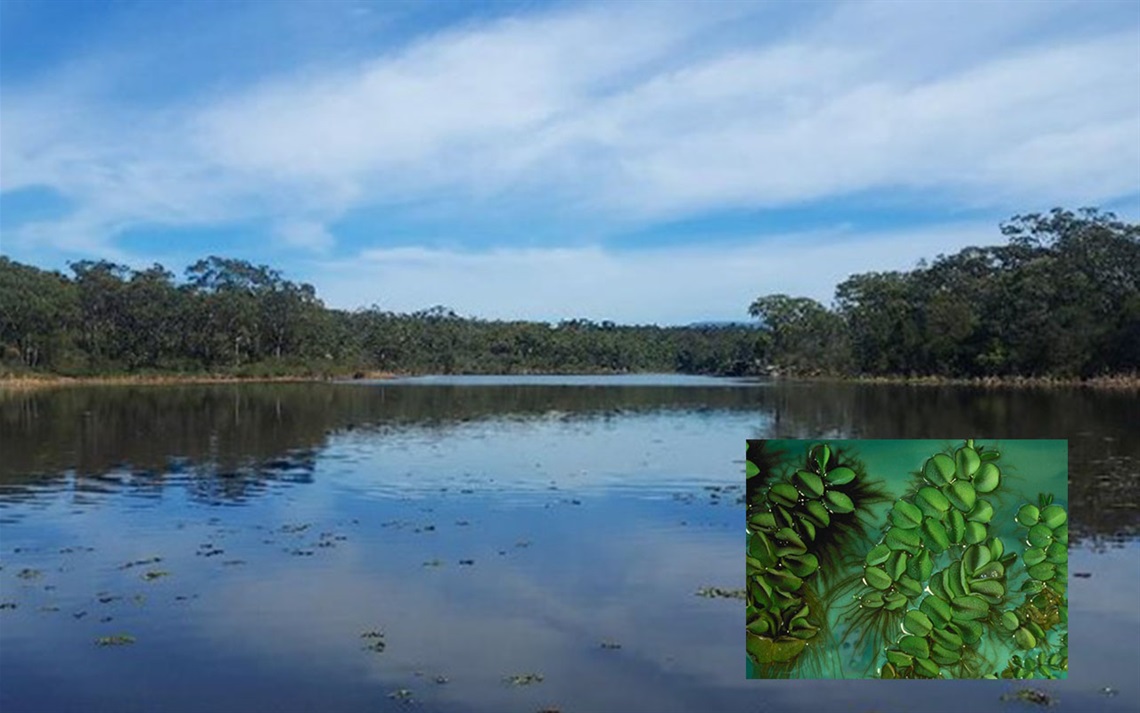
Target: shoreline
x=43 y=381
x=1121 y=382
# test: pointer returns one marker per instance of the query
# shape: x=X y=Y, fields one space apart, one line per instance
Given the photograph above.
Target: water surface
x=487 y=527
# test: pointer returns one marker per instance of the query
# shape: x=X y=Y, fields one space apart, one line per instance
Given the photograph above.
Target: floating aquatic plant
x=799 y=527
x=934 y=597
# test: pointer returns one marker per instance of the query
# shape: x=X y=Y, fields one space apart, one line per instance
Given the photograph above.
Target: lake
x=475 y=543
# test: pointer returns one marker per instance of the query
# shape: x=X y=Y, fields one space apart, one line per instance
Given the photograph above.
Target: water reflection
x=293 y=518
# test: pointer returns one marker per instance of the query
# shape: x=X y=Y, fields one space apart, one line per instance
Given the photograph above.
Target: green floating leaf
x=802 y=565
x=1054 y=516
x=766 y=650
x=993 y=570
x=975 y=533
x=1024 y=639
x=969 y=608
x=840 y=476
x=946 y=638
x=878 y=554
x=938 y=470
x=917 y=623
x=905 y=515
x=872 y=600
x=1032 y=556
x=961 y=495
x=839 y=502
x=932 y=502
x=966 y=461
x=896 y=565
x=955 y=526
x=1040 y=535
x=970 y=631
x=983 y=512
x=900 y=659
x=807 y=526
x=876 y=578
x=988 y=587
x=975 y=557
x=888 y=671
x=789 y=535
x=953 y=580
x=909 y=586
x=987 y=479
x=783 y=494
x=1027 y=515
x=809 y=484
x=1043 y=572
x=821 y=454
x=818 y=513
x=783 y=580
x=1061 y=534
x=989 y=455
x=997 y=548
x=751 y=470
x=915 y=646
x=1057 y=553
x=920 y=566
x=926 y=667
x=937 y=609
x=900 y=539
x=937 y=539
x=936 y=585
x=944 y=656
x=1009 y=621
x=894 y=601
x=763 y=521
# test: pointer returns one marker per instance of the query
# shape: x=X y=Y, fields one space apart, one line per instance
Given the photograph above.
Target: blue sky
x=635 y=161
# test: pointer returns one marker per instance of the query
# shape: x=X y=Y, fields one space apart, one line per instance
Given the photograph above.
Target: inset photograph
x=932 y=559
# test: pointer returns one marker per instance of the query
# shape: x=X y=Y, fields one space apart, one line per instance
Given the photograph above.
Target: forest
x=1060 y=297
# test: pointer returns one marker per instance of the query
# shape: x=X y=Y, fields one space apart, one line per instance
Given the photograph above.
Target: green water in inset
x=854 y=641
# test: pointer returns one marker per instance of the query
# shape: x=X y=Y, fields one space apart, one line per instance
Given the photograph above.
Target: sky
x=641 y=162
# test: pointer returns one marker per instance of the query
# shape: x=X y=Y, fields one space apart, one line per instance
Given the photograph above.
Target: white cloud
x=624 y=112
x=663 y=285
x=307 y=235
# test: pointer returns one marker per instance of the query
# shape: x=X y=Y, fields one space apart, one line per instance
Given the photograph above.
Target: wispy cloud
x=662 y=285
x=610 y=115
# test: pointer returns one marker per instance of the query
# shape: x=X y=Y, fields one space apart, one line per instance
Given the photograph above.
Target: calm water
x=488 y=527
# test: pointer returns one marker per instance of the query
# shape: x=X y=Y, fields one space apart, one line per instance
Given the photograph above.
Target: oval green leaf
x=878 y=554
x=877 y=578
x=961 y=495
x=988 y=478
x=839 y=503
x=1040 y=535
x=966 y=461
x=905 y=515
x=938 y=470
x=955 y=526
x=809 y=484
x=900 y=539
x=914 y=645
x=937 y=539
x=1027 y=515
x=932 y=502
x=1054 y=516
x=975 y=533
x=983 y=512
x=1024 y=639
x=917 y=623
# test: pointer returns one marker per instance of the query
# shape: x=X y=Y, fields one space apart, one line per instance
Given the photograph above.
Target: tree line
x=1061 y=298
x=230 y=316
